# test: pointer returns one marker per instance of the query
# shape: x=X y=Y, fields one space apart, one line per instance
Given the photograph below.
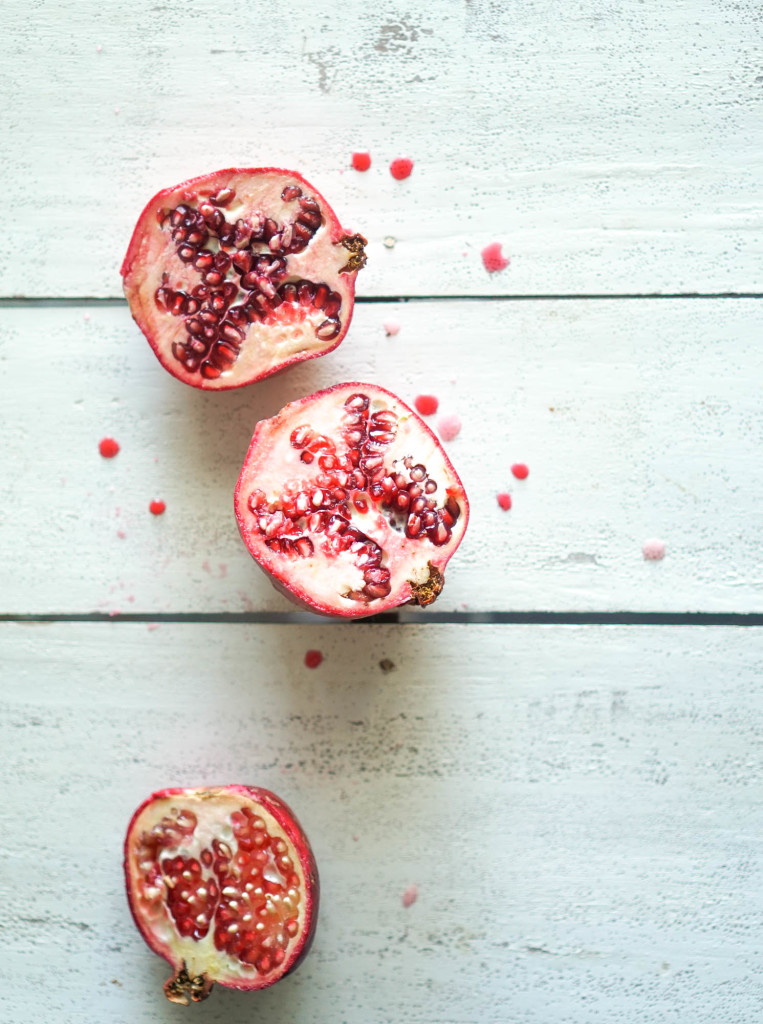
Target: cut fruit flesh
x=223 y=885
x=235 y=275
x=348 y=501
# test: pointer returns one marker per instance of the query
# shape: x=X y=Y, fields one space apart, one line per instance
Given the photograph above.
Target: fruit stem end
x=183 y=989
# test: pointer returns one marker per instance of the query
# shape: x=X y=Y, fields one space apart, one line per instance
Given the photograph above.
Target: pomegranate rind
x=150 y=251
x=422 y=586
x=287 y=821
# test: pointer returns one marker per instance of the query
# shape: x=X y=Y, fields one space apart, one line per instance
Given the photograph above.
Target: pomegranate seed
x=328 y=330
x=313 y=659
x=310 y=219
x=426 y=405
x=413 y=526
x=361 y=161
x=504 y=500
x=157 y=508
x=290 y=193
x=401 y=168
x=520 y=470
x=108 y=447
x=223 y=197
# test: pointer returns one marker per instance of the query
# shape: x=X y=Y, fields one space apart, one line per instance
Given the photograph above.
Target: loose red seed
x=504 y=500
x=493 y=259
x=156 y=508
x=361 y=161
x=426 y=405
x=401 y=168
x=520 y=470
x=313 y=659
x=108 y=448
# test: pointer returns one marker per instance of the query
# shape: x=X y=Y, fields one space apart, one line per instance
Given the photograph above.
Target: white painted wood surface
x=610 y=146
x=637 y=419
x=579 y=807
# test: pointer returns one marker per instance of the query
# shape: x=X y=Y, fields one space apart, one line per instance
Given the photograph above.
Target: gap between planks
x=18 y=302
x=404 y=618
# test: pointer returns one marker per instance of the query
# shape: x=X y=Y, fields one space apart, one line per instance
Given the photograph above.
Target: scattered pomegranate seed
x=121 y=534
x=520 y=470
x=156 y=508
x=108 y=448
x=313 y=659
x=427 y=405
x=391 y=327
x=504 y=500
x=401 y=168
x=449 y=427
x=361 y=161
x=493 y=258
x=654 y=549
x=410 y=895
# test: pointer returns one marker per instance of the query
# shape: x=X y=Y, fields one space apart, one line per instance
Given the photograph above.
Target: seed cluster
x=245 y=263
x=250 y=898
x=353 y=477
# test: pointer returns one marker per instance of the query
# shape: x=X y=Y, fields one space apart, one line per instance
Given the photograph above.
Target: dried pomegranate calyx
x=234 y=275
x=182 y=988
x=349 y=502
x=429 y=590
x=355 y=244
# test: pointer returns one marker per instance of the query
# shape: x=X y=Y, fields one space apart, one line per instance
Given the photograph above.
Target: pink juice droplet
x=449 y=427
x=493 y=259
x=410 y=895
x=653 y=549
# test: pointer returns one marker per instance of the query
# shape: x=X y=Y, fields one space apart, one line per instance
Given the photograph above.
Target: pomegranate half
x=222 y=883
x=348 y=501
x=238 y=274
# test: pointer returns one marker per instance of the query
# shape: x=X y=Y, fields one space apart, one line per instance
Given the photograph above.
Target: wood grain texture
x=611 y=147
x=637 y=419
x=579 y=807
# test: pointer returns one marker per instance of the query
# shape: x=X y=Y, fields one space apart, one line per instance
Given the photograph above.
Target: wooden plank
x=636 y=419
x=611 y=148
x=579 y=808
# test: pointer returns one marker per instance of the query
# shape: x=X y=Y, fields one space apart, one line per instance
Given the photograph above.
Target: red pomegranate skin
x=294 y=831
x=143 y=244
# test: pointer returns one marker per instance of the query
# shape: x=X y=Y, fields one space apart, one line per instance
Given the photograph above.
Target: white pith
x=273 y=462
x=266 y=346
x=212 y=809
